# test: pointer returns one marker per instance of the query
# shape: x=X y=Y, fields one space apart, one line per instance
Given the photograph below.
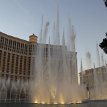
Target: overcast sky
x=22 y=18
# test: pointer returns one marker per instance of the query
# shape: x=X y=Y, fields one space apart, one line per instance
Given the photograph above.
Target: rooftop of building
x=91 y=70
x=16 y=38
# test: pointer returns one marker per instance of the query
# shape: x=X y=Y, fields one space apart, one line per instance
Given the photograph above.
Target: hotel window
x=16 y=68
x=15 y=78
x=29 y=72
x=2 y=75
x=10 y=43
x=4 y=54
x=3 y=69
x=11 y=77
x=3 y=40
x=4 y=61
x=8 y=57
x=19 y=45
x=17 y=57
x=6 y=41
x=25 y=64
x=12 y=65
x=29 y=62
x=20 y=72
x=7 y=67
x=14 y=46
x=0 y=57
x=24 y=78
x=6 y=76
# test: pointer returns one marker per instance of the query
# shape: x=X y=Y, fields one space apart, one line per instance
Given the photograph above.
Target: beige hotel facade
x=16 y=56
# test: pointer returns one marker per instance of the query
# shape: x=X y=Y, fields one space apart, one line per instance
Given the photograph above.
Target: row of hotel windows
x=13 y=77
x=12 y=62
x=8 y=43
x=20 y=51
x=15 y=44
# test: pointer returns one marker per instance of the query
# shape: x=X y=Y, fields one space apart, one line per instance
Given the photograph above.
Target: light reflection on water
x=88 y=104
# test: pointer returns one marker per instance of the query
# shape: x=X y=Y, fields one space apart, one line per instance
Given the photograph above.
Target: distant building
x=90 y=76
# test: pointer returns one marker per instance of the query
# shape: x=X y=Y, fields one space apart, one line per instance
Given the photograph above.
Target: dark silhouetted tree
x=105 y=2
x=103 y=44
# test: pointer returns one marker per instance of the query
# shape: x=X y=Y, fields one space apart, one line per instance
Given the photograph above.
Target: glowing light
x=62 y=99
x=55 y=103
x=62 y=102
x=43 y=102
x=53 y=92
x=47 y=103
x=77 y=102
x=36 y=101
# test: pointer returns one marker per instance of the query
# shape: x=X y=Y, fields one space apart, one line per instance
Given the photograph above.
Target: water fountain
x=54 y=76
x=11 y=91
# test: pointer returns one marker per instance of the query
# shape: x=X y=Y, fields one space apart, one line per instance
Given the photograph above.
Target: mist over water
x=54 y=75
x=55 y=68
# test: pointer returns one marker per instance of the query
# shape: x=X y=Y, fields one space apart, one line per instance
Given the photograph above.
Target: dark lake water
x=87 y=104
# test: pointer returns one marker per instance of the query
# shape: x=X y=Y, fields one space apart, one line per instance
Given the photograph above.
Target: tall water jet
x=45 y=32
x=63 y=38
x=82 y=73
x=55 y=69
x=72 y=36
x=54 y=32
x=88 y=60
x=41 y=31
x=99 y=87
x=81 y=66
x=98 y=55
x=71 y=46
x=57 y=30
x=102 y=60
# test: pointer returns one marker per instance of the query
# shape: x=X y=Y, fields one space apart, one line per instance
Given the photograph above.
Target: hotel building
x=15 y=56
x=17 y=62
